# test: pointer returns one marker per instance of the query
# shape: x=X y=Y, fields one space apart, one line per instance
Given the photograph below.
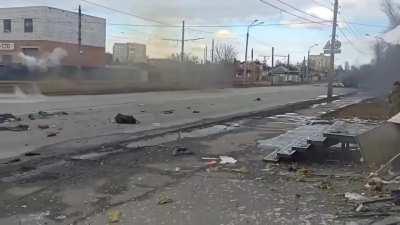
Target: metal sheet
x=380 y=144
x=395 y=119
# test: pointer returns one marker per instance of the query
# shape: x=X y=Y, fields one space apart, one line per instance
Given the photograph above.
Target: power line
x=298 y=10
x=322 y=5
x=287 y=12
x=350 y=41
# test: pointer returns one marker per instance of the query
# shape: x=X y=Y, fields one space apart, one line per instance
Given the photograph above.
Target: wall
x=92 y=56
x=53 y=25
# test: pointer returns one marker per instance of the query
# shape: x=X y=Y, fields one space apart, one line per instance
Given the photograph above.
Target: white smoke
x=51 y=60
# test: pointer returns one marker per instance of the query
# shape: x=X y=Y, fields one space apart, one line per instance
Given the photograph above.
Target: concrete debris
x=17 y=128
x=43 y=126
x=164 y=200
x=227 y=160
x=45 y=115
x=6 y=118
x=125 y=119
x=179 y=151
x=114 y=217
x=52 y=134
x=351 y=196
x=168 y=112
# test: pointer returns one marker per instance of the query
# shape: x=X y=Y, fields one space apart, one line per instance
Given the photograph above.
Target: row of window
x=28 y=26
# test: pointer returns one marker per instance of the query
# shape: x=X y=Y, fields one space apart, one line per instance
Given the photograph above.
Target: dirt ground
x=373 y=109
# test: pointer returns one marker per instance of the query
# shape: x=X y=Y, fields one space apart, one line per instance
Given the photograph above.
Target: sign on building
x=6 y=46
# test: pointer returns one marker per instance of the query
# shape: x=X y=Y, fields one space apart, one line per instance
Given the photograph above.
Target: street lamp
x=308 y=60
x=253 y=24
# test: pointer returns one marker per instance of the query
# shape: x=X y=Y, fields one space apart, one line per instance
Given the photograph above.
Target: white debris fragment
x=227 y=160
x=355 y=197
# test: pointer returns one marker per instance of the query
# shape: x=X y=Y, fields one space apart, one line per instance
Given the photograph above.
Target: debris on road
x=227 y=160
x=17 y=128
x=45 y=115
x=168 y=112
x=164 y=200
x=125 y=119
x=52 y=134
x=43 y=126
x=351 y=196
x=29 y=154
x=179 y=151
x=196 y=111
x=114 y=217
x=6 y=118
x=257 y=99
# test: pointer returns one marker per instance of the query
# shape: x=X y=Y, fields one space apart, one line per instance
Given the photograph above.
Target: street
x=93 y=116
x=149 y=185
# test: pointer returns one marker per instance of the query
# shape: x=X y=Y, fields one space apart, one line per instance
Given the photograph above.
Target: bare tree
x=392 y=10
x=225 y=54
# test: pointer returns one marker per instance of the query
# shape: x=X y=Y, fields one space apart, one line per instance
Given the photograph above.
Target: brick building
x=37 y=31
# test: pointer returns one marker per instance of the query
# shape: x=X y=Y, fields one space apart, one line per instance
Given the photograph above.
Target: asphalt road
x=92 y=116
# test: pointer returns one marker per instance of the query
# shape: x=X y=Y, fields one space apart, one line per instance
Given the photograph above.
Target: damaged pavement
x=213 y=175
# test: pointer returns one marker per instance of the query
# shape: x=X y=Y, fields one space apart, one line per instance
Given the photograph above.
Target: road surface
x=91 y=116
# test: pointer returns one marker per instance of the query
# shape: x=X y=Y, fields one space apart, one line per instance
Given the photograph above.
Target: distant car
x=338 y=84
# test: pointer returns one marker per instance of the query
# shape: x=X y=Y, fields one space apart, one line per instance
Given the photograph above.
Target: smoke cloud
x=43 y=64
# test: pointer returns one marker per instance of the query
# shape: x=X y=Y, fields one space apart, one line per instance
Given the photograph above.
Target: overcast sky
x=293 y=39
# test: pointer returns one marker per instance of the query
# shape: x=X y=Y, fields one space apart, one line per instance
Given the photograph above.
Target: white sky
x=292 y=39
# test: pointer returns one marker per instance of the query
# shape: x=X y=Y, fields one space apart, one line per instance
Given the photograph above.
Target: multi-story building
x=37 y=31
x=126 y=53
x=320 y=63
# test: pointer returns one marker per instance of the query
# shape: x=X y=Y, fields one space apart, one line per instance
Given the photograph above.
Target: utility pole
x=332 y=49
x=80 y=28
x=183 y=42
x=304 y=72
x=273 y=58
x=288 y=60
x=252 y=55
x=212 y=51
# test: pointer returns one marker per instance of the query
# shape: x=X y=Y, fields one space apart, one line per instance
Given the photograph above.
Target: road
x=153 y=186
x=92 y=116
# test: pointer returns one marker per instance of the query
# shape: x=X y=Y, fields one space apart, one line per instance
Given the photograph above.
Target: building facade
x=38 y=31
x=127 y=53
x=320 y=63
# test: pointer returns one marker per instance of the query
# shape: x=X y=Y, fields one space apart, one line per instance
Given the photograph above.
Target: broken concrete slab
x=381 y=144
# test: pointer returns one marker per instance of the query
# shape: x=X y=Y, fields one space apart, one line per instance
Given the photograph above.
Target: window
x=7 y=59
x=7 y=25
x=28 y=24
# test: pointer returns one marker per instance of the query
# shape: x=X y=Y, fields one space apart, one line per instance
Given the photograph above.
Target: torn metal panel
x=345 y=132
x=395 y=119
x=380 y=144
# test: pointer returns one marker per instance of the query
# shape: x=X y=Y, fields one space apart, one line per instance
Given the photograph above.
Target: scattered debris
x=178 y=151
x=45 y=115
x=52 y=134
x=375 y=184
x=125 y=119
x=29 y=154
x=43 y=126
x=355 y=197
x=391 y=220
x=17 y=128
x=6 y=118
x=168 y=112
x=13 y=161
x=242 y=170
x=114 y=216
x=227 y=160
x=258 y=99
x=163 y=200
x=60 y=217
x=212 y=163
x=196 y=111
